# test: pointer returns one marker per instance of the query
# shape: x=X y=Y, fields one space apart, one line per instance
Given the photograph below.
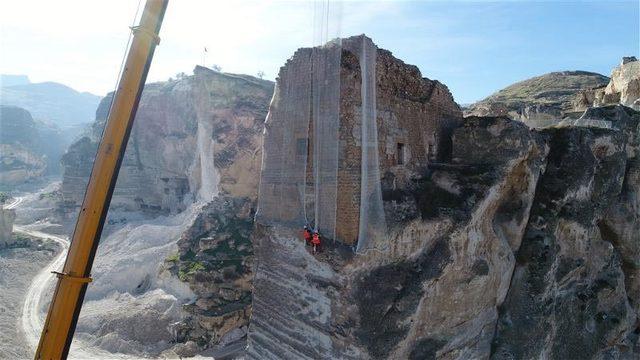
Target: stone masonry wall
x=411 y=110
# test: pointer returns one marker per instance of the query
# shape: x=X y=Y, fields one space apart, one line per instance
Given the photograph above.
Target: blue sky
x=478 y=48
x=473 y=47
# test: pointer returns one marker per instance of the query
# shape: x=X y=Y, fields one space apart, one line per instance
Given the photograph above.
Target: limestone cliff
x=572 y=289
x=494 y=230
x=436 y=289
x=624 y=86
x=193 y=137
x=184 y=201
x=19 y=165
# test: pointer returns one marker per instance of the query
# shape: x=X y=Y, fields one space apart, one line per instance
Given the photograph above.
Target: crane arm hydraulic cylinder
x=64 y=309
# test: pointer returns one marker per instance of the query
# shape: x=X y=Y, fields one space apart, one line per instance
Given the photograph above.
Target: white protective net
x=372 y=228
x=299 y=174
x=325 y=117
x=282 y=184
x=303 y=156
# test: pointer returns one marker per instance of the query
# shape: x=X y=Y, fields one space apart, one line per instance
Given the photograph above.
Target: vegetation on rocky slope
x=555 y=87
x=546 y=97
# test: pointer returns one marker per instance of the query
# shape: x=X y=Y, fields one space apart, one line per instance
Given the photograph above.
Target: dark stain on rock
x=566 y=265
x=480 y=267
x=433 y=201
x=426 y=349
x=389 y=295
x=546 y=293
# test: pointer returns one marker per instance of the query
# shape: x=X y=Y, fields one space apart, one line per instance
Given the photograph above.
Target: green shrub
x=173 y=258
x=195 y=267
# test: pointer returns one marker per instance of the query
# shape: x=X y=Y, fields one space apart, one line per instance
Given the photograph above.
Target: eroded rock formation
x=521 y=233
x=192 y=138
x=624 y=86
x=18 y=165
x=7 y=217
x=504 y=242
x=215 y=258
x=184 y=200
x=568 y=292
x=438 y=287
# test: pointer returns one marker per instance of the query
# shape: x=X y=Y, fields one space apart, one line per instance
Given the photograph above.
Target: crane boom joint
x=141 y=30
x=65 y=276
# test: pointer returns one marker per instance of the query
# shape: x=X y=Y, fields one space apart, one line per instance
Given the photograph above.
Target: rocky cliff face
x=508 y=231
x=19 y=165
x=543 y=100
x=193 y=137
x=439 y=284
x=624 y=86
x=215 y=254
x=22 y=158
x=572 y=291
x=524 y=245
x=189 y=177
x=215 y=258
x=7 y=216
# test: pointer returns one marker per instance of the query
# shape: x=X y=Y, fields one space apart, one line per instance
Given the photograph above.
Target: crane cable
x=124 y=57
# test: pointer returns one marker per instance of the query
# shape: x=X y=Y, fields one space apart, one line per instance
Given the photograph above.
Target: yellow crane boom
x=64 y=310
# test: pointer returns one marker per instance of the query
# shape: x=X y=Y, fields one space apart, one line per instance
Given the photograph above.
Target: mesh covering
x=325 y=117
x=302 y=159
x=326 y=124
x=285 y=150
x=299 y=175
x=372 y=228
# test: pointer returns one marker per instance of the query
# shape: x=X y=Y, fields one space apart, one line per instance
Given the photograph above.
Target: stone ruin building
x=347 y=122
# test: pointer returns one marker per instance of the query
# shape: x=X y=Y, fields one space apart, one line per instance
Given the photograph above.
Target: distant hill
x=18 y=127
x=21 y=134
x=11 y=80
x=49 y=101
x=546 y=97
x=21 y=154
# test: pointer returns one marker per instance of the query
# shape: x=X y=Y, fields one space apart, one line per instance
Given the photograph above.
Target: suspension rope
x=125 y=52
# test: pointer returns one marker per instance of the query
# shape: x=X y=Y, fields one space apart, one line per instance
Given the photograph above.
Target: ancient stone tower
x=344 y=117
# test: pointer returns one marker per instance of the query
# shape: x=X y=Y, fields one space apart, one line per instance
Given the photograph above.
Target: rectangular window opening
x=400 y=154
x=432 y=154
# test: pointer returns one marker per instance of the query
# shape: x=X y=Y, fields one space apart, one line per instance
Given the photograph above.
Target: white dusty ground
x=32 y=308
x=17 y=268
x=129 y=308
x=131 y=305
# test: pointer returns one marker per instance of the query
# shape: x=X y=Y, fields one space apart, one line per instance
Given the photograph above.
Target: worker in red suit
x=306 y=234
x=315 y=241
